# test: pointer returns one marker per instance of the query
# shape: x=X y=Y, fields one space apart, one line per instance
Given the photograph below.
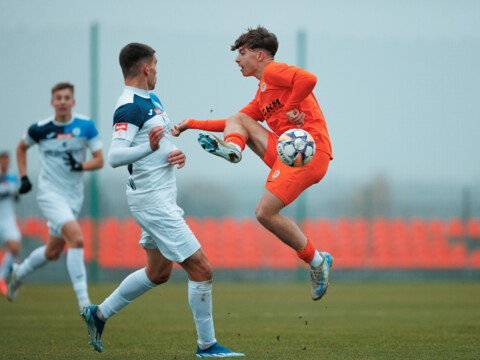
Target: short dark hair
x=132 y=56
x=62 y=85
x=259 y=38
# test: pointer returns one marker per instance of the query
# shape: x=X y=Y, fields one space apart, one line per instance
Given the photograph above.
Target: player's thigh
x=165 y=229
x=257 y=135
x=57 y=209
x=72 y=234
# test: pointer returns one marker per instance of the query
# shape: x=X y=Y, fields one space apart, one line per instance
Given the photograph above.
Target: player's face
x=247 y=59
x=63 y=102
x=152 y=73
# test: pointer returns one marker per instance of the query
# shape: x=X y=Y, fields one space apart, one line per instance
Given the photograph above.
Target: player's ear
x=73 y=100
x=145 y=68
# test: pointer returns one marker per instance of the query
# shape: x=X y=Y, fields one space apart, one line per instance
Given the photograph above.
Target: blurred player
x=9 y=233
x=284 y=100
x=142 y=140
x=62 y=140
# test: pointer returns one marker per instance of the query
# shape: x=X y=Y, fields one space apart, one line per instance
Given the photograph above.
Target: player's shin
x=78 y=275
x=133 y=286
x=200 y=300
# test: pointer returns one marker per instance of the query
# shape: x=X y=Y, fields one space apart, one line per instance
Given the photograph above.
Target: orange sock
x=208 y=125
x=237 y=139
x=307 y=253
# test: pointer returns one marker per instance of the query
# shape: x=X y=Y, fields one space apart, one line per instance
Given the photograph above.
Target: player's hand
x=181 y=127
x=70 y=161
x=296 y=117
x=155 y=135
x=177 y=157
x=25 y=185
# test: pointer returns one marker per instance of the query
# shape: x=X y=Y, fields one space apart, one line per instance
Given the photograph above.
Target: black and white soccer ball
x=296 y=147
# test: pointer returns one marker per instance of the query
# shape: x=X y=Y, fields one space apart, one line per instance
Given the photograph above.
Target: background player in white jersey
x=142 y=140
x=62 y=140
x=9 y=233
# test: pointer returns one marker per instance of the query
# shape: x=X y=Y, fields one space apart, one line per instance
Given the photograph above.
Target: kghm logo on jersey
x=270 y=109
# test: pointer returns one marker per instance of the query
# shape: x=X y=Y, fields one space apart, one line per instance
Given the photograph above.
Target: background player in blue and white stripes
x=63 y=140
x=9 y=232
x=142 y=140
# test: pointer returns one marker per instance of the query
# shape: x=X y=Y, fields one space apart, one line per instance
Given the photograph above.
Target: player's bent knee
x=158 y=277
x=53 y=254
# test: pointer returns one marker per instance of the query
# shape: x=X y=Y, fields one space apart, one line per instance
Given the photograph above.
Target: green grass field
x=436 y=320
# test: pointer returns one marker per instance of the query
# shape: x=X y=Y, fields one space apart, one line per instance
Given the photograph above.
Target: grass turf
x=435 y=320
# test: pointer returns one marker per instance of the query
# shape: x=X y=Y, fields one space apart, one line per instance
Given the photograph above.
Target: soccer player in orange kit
x=284 y=100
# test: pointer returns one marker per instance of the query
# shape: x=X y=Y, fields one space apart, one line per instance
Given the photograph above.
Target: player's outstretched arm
x=217 y=125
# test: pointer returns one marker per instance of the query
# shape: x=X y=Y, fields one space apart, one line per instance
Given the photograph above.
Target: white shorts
x=9 y=230
x=58 y=209
x=165 y=229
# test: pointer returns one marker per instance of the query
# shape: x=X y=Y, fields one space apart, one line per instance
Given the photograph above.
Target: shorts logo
x=64 y=136
x=263 y=87
x=275 y=174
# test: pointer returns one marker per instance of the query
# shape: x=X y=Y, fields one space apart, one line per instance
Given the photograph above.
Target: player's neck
x=261 y=69
x=137 y=82
x=63 y=118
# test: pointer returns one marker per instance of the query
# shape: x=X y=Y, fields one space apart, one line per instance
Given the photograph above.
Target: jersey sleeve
x=93 y=137
x=253 y=111
x=32 y=135
x=299 y=80
x=127 y=120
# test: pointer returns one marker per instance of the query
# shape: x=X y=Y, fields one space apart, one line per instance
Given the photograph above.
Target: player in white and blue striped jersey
x=142 y=141
x=63 y=141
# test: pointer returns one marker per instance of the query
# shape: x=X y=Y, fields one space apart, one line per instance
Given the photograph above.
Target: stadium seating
x=244 y=244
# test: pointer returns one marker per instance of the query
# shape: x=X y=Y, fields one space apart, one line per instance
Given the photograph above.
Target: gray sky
x=398 y=82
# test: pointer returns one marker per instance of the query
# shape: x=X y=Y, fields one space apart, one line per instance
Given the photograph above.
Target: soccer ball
x=295 y=147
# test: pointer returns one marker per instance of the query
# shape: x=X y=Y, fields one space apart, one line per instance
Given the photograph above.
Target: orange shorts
x=288 y=182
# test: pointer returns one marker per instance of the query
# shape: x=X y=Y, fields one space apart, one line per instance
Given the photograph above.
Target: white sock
x=134 y=285
x=78 y=275
x=7 y=261
x=200 y=300
x=317 y=260
x=35 y=260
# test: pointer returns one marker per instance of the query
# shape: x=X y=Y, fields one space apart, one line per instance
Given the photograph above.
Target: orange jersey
x=284 y=88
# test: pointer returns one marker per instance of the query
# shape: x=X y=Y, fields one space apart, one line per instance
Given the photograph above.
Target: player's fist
x=70 y=161
x=181 y=127
x=295 y=117
x=25 y=185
